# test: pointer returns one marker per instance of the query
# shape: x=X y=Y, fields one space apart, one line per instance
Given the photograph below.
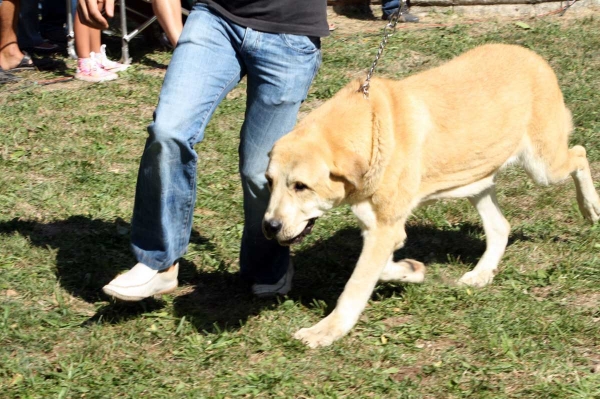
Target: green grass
x=68 y=160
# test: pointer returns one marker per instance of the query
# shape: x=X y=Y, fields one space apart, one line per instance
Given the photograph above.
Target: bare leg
x=168 y=13
x=86 y=39
x=95 y=40
x=496 y=230
x=83 y=39
x=10 y=55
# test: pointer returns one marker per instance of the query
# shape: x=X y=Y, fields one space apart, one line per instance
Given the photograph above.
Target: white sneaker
x=282 y=287
x=142 y=282
x=89 y=71
x=105 y=63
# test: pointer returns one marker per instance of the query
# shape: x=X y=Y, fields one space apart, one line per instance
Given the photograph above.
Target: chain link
x=388 y=30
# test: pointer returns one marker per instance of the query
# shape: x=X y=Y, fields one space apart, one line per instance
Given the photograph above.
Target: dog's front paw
x=321 y=334
x=477 y=278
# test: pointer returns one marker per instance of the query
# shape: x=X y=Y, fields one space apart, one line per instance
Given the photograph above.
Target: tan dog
x=443 y=133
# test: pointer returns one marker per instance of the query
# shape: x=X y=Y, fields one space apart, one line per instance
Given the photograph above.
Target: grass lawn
x=69 y=154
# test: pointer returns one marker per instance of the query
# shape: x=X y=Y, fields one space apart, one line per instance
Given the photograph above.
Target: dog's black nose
x=271 y=227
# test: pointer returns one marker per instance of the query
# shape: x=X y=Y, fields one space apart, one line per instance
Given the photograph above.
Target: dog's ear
x=354 y=169
x=350 y=170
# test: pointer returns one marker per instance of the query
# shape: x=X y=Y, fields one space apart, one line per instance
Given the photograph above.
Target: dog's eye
x=269 y=181
x=300 y=186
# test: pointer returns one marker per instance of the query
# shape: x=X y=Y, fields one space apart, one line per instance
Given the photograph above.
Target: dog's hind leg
x=496 y=229
x=577 y=165
x=565 y=162
x=547 y=159
x=406 y=271
x=587 y=197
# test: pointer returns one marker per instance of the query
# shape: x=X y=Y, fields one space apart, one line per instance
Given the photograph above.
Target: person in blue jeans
x=276 y=45
x=388 y=7
x=29 y=36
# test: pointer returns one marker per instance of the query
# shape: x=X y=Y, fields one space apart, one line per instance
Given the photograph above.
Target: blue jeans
x=28 y=26
x=389 y=7
x=54 y=17
x=212 y=56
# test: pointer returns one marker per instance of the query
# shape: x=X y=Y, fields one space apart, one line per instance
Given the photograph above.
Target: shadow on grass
x=91 y=252
x=221 y=301
x=324 y=268
x=355 y=9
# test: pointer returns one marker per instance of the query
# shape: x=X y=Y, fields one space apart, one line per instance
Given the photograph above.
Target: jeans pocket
x=302 y=44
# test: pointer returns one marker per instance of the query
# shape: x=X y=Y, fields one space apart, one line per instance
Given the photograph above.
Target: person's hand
x=90 y=12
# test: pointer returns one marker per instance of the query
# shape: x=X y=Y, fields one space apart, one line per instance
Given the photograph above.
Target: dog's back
x=493 y=105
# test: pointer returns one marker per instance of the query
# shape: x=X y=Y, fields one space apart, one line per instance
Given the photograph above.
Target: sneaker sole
x=95 y=80
x=119 y=69
x=270 y=294
x=127 y=298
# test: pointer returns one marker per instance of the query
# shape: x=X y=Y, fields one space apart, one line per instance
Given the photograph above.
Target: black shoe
x=408 y=17
x=7 y=77
x=405 y=17
x=46 y=47
x=165 y=42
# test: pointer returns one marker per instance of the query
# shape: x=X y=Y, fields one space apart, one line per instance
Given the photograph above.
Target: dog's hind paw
x=406 y=271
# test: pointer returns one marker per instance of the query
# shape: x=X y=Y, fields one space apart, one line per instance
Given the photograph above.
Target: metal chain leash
x=388 y=30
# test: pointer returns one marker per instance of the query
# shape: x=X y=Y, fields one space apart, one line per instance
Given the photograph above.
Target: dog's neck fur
x=381 y=144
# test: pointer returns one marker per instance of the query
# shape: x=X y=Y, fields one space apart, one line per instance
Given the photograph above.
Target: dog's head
x=317 y=166
x=302 y=189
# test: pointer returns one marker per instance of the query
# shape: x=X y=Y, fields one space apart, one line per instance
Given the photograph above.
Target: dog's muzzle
x=271 y=228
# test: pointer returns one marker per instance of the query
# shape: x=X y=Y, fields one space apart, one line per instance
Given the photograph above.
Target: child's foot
x=90 y=71
x=105 y=63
